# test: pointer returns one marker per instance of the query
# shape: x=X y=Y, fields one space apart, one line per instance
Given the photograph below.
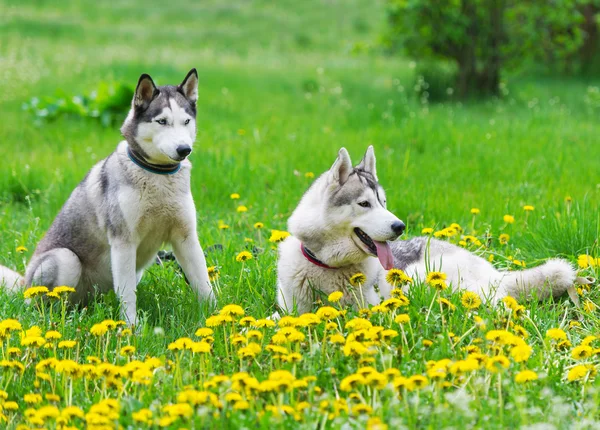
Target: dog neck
x=159 y=169
x=308 y=254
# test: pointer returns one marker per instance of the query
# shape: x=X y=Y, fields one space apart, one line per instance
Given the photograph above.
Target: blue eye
x=162 y=121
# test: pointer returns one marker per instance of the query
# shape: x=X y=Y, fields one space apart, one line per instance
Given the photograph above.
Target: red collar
x=312 y=258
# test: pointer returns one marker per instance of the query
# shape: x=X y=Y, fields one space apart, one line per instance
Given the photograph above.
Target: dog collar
x=159 y=169
x=312 y=258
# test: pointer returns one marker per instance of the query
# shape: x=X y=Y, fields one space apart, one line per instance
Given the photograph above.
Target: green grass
x=282 y=88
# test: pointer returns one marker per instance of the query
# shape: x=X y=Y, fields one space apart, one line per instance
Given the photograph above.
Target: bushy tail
x=10 y=279
x=552 y=278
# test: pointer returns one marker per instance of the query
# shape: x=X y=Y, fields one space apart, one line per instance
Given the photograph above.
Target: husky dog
x=342 y=227
x=137 y=198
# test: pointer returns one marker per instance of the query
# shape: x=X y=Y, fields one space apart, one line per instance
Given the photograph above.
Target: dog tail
x=552 y=278
x=10 y=279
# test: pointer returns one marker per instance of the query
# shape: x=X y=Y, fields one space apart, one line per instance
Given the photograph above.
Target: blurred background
x=489 y=104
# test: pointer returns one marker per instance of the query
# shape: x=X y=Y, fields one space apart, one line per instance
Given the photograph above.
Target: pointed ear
x=342 y=167
x=368 y=162
x=144 y=92
x=189 y=86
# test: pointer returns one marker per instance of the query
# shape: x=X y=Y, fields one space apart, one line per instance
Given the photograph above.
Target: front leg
x=190 y=256
x=122 y=259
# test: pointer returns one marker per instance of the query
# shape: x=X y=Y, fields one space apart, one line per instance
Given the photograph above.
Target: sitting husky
x=342 y=227
x=131 y=202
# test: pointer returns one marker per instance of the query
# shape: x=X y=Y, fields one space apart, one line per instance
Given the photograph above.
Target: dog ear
x=144 y=92
x=368 y=162
x=189 y=86
x=342 y=167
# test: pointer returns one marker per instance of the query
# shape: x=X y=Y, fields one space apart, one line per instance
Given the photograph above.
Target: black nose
x=184 y=150
x=398 y=227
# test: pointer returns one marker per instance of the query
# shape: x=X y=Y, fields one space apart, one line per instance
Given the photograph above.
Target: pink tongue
x=384 y=253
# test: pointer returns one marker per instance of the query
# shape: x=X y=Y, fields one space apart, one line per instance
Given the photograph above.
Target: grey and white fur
x=129 y=204
x=343 y=222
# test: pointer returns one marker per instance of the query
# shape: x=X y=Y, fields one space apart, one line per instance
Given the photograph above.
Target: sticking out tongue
x=384 y=253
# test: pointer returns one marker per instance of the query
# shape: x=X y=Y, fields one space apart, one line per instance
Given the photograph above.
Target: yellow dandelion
x=309 y=175
x=525 y=376
x=335 y=297
x=509 y=219
x=34 y=292
x=396 y=277
x=213 y=273
x=402 y=319
x=234 y=196
x=581 y=352
x=503 y=238
x=243 y=256
x=556 y=334
x=470 y=300
x=427 y=230
x=357 y=279
x=21 y=249
x=580 y=372
x=528 y=208
x=589 y=306
x=278 y=236
x=63 y=289
x=127 y=350
x=475 y=211
x=242 y=208
x=258 y=225
x=232 y=310
x=435 y=276
x=497 y=363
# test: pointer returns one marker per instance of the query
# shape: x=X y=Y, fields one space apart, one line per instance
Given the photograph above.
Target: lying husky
x=131 y=202
x=342 y=227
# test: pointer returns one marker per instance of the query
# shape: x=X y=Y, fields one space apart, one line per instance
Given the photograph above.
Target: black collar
x=159 y=169
x=308 y=254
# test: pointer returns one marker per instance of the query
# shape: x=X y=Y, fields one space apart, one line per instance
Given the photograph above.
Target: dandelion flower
x=435 y=276
x=526 y=376
x=556 y=334
x=509 y=219
x=427 y=230
x=21 y=249
x=580 y=372
x=521 y=353
x=213 y=273
x=243 y=256
x=34 y=292
x=63 y=289
x=470 y=300
x=358 y=279
x=475 y=211
x=234 y=196
x=497 y=363
x=402 y=319
x=528 y=208
x=581 y=352
x=335 y=297
x=309 y=175
x=258 y=225
x=232 y=310
x=503 y=238
x=278 y=236
x=396 y=277
x=589 y=306
x=242 y=208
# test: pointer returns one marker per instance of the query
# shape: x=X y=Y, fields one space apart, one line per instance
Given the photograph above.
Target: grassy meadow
x=283 y=85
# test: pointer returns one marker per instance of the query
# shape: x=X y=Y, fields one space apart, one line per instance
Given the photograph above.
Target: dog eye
x=364 y=204
x=187 y=121
x=162 y=121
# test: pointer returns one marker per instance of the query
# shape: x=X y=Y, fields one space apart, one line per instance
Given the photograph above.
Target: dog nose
x=398 y=227
x=184 y=150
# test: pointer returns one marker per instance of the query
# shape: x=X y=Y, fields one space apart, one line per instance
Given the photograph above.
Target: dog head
x=161 y=125
x=346 y=209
